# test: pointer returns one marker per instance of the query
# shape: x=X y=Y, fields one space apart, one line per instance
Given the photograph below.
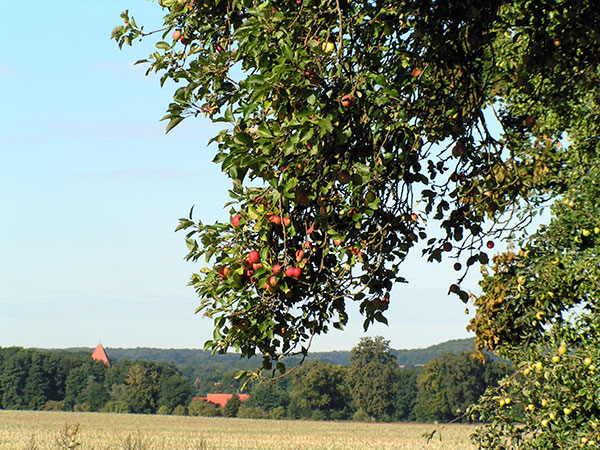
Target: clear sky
x=91 y=189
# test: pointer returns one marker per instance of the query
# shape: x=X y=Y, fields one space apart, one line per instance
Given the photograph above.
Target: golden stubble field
x=40 y=430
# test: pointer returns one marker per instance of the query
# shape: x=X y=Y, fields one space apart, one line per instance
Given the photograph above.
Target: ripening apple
x=176 y=35
x=296 y=272
x=223 y=271
x=299 y=255
x=286 y=221
x=235 y=221
x=276 y=268
x=275 y=220
x=562 y=349
x=253 y=257
x=328 y=46
x=347 y=101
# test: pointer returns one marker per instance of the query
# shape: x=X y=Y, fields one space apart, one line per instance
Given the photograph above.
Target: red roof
x=221 y=399
x=100 y=355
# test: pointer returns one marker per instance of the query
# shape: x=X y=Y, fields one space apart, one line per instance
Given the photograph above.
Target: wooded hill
x=187 y=359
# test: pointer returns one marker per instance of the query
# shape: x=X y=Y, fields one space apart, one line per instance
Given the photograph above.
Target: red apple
x=457 y=266
x=276 y=220
x=256 y=266
x=489 y=244
x=276 y=268
x=347 y=101
x=447 y=246
x=235 y=221
x=296 y=272
x=289 y=272
x=272 y=280
x=223 y=271
x=416 y=72
x=286 y=221
x=253 y=257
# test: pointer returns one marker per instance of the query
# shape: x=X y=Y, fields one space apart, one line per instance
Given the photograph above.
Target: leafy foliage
x=349 y=124
x=372 y=377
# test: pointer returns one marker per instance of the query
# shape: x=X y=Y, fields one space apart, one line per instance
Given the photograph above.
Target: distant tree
x=174 y=390
x=406 y=394
x=232 y=407
x=204 y=409
x=14 y=377
x=142 y=389
x=35 y=392
x=320 y=388
x=451 y=383
x=268 y=396
x=372 y=377
x=95 y=394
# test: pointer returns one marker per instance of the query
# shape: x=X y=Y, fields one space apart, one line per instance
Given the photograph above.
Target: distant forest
x=425 y=384
x=193 y=363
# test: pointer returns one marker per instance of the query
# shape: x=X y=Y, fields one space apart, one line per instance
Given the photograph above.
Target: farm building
x=221 y=399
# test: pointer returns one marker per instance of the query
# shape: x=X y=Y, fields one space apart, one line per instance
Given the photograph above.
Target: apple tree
x=350 y=126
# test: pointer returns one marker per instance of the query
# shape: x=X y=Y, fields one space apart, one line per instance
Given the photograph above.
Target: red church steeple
x=100 y=355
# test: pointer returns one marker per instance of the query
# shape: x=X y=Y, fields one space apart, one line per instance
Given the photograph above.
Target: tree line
x=371 y=387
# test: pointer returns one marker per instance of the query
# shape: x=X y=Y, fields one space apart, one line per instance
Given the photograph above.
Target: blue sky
x=91 y=189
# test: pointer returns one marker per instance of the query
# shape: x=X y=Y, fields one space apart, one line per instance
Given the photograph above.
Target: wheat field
x=29 y=430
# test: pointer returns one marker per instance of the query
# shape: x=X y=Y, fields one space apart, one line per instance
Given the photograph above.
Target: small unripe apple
x=253 y=257
x=538 y=366
x=369 y=198
x=256 y=266
x=176 y=35
x=235 y=220
x=276 y=268
x=586 y=232
x=596 y=230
